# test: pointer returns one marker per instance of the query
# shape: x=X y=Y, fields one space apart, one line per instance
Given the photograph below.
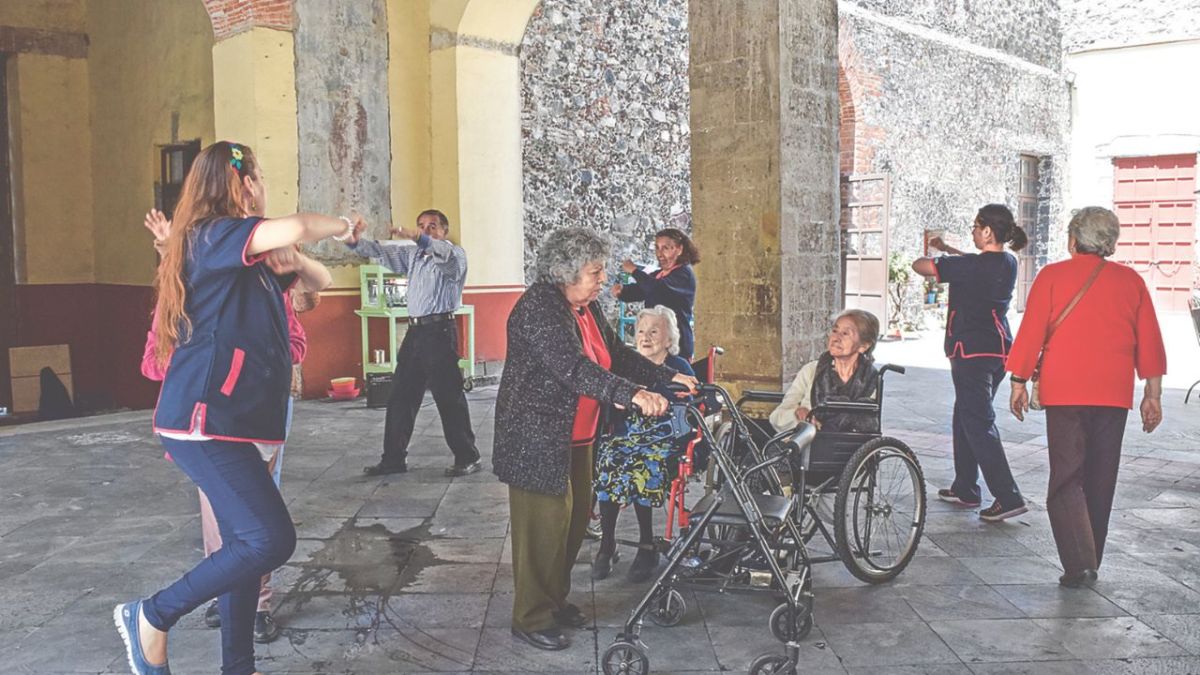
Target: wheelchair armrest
x=794 y=440
x=759 y=396
x=846 y=407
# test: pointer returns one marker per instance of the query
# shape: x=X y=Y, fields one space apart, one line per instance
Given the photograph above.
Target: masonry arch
x=475 y=121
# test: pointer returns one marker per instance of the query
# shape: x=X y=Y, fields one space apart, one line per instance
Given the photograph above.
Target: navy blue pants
x=257 y=536
x=977 y=446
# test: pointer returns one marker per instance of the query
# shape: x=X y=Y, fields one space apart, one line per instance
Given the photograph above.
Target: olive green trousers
x=547 y=533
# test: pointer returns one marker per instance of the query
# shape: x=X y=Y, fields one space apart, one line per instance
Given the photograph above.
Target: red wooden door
x=1154 y=197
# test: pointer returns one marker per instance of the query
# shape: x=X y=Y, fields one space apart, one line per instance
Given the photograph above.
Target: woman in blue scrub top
x=220 y=319
x=977 y=342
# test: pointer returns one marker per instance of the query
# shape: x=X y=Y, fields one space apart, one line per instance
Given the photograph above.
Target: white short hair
x=668 y=315
x=1096 y=230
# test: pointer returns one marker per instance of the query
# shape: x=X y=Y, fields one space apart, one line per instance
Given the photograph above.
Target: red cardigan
x=1093 y=355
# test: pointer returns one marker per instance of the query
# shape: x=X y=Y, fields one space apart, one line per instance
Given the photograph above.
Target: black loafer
x=602 y=565
x=643 y=567
x=551 y=639
x=571 y=617
x=1078 y=579
x=212 y=615
x=465 y=469
x=382 y=469
x=265 y=628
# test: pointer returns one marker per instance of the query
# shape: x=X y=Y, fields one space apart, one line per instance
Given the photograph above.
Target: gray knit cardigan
x=545 y=373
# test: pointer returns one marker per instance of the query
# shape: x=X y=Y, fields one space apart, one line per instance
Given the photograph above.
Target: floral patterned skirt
x=633 y=468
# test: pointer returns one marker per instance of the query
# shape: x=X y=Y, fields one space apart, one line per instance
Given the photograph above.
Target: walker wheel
x=772 y=664
x=625 y=658
x=468 y=383
x=788 y=625
x=668 y=610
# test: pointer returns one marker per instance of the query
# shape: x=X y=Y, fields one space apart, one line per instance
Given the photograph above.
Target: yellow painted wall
x=147 y=60
x=52 y=179
x=62 y=15
x=408 y=100
x=254 y=97
x=491 y=200
x=476 y=130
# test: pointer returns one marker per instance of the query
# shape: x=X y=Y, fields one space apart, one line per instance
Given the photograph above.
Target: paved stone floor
x=413 y=573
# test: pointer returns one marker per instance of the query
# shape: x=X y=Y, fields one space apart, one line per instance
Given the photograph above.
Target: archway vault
x=475 y=124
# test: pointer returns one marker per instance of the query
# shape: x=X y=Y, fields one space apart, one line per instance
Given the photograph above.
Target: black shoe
x=947 y=495
x=382 y=469
x=571 y=617
x=644 y=564
x=265 y=628
x=551 y=639
x=464 y=469
x=212 y=615
x=996 y=513
x=602 y=565
x=1078 y=579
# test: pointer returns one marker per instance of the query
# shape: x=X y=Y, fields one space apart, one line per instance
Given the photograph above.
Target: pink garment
x=297 y=341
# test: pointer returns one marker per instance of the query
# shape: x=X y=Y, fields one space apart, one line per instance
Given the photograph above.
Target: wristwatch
x=1017 y=380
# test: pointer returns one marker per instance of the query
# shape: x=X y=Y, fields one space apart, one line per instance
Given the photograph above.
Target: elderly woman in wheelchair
x=845 y=373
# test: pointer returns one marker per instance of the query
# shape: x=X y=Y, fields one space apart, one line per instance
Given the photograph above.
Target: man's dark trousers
x=977 y=446
x=428 y=358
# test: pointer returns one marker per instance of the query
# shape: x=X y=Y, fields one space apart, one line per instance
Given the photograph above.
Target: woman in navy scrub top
x=977 y=344
x=220 y=319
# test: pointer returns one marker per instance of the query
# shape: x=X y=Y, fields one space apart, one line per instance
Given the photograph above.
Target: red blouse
x=1112 y=332
x=587 y=414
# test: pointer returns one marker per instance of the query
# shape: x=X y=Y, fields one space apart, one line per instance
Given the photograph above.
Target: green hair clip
x=235 y=157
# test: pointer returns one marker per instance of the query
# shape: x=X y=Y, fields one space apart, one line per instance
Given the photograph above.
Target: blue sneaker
x=126 y=618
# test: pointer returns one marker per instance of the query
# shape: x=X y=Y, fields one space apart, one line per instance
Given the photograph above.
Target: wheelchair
x=750 y=532
x=875 y=481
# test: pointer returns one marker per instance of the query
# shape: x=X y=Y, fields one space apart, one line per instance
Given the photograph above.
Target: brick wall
x=230 y=17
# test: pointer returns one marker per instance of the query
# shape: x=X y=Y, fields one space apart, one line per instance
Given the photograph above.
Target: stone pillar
x=764 y=182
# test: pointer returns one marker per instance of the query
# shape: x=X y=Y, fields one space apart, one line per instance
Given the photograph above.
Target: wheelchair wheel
x=625 y=658
x=791 y=626
x=668 y=609
x=879 y=511
x=772 y=664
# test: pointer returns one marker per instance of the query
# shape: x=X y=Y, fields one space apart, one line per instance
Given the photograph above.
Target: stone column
x=764 y=182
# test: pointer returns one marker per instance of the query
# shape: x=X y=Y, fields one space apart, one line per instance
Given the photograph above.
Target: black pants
x=977 y=446
x=1085 y=453
x=428 y=358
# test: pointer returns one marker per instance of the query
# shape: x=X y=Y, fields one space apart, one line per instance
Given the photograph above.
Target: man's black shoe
x=1078 y=579
x=465 y=469
x=571 y=617
x=550 y=639
x=212 y=615
x=265 y=628
x=382 y=469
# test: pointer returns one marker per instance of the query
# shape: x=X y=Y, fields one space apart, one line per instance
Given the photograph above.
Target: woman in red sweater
x=1086 y=381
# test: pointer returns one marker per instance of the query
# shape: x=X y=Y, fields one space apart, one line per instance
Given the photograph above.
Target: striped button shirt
x=436 y=271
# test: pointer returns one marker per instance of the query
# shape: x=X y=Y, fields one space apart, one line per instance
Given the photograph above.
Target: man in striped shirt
x=428 y=358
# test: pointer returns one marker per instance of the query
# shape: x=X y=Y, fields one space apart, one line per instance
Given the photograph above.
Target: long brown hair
x=212 y=189
x=690 y=254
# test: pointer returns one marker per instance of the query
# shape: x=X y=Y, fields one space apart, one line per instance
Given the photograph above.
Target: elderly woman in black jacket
x=564 y=366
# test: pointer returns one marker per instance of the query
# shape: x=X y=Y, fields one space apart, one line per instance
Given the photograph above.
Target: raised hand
x=628 y=267
x=406 y=233
x=159 y=226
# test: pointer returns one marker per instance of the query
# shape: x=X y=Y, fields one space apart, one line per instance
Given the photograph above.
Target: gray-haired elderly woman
x=564 y=366
x=1093 y=324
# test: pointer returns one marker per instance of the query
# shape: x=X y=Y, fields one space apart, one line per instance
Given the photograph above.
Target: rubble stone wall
x=604 y=121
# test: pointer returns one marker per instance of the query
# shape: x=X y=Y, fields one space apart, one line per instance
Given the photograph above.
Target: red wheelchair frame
x=677 y=512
